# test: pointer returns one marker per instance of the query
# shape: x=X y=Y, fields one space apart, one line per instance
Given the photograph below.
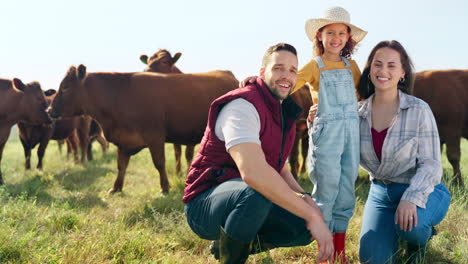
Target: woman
x=400 y=150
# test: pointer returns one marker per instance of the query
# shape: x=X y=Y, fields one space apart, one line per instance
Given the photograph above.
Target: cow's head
x=49 y=95
x=161 y=61
x=33 y=103
x=67 y=101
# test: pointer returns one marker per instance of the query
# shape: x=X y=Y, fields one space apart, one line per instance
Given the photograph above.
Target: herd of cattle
x=146 y=109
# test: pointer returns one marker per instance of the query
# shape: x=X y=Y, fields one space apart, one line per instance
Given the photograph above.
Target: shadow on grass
x=431 y=256
x=78 y=179
x=40 y=188
x=164 y=205
x=33 y=188
x=104 y=158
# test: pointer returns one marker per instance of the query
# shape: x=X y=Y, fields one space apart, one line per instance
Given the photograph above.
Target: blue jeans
x=380 y=234
x=244 y=213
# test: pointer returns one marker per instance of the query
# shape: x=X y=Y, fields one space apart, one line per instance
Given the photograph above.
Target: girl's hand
x=247 y=81
x=312 y=112
x=406 y=215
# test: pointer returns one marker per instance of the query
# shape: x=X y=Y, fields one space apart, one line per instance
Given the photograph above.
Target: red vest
x=214 y=165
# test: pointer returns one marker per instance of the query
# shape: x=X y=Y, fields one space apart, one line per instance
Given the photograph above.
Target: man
x=238 y=189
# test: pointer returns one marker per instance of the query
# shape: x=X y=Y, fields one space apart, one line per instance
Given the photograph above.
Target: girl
x=334 y=135
x=400 y=150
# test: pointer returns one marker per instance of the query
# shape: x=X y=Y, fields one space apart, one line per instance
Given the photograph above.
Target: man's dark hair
x=276 y=48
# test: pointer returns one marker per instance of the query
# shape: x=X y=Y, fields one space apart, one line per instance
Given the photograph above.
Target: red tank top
x=378 y=139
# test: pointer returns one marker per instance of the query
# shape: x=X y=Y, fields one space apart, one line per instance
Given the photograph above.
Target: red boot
x=339 y=244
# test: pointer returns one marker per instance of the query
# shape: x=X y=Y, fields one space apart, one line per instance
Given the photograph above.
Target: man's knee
x=254 y=199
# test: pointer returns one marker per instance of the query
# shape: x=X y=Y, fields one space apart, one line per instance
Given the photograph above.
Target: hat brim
x=313 y=25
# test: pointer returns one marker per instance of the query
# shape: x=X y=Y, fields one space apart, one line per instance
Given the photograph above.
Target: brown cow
x=31 y=135
x=304 y=100
x=446 y=92
x=139 y=110
x=74 y=130
x=88 y=130
x=20 y=102
x=96 y=133
x=85 y=123
x=163 y=62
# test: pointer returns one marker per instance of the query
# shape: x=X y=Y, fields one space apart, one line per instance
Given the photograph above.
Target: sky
x=40 y=40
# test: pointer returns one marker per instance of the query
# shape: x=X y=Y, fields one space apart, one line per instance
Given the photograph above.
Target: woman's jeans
x=244 y=213
x=380 y=234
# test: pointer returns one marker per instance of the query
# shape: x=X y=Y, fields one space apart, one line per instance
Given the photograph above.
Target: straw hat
x=331 y=16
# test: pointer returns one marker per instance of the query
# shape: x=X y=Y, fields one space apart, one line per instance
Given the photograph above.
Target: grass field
x=63 y=214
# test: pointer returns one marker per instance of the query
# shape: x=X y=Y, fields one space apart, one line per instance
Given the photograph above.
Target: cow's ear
x=49 y=92
x=176 y=57
x=81 y=72
x=144 y=59
x=18 y=84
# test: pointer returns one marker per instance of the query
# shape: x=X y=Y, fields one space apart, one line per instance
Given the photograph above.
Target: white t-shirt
x=238 y=122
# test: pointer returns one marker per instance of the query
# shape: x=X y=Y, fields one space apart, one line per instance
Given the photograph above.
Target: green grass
x=63 y=214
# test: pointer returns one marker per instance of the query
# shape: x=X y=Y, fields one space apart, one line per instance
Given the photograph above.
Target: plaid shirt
x=411 y=150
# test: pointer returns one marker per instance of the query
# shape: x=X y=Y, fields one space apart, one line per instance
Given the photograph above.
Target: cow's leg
x=103 y=142
x=89 y=149
x=41 y=150
x=2 y=145
x=304 y=151
x=60 y=144
x=453 y=156
x=83 y=136
x=177 y=156
x=83 y=142
x=293 y=157
x=72 y=146
x=189 y=155
x=69 y=149
x=27 y=154
x=123 y=157
x=159 y=160
x=4 y=133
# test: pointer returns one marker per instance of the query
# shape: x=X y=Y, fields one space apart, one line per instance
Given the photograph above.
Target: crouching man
x=239 y=192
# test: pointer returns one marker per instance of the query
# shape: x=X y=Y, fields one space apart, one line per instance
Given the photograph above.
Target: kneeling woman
x=401 y=151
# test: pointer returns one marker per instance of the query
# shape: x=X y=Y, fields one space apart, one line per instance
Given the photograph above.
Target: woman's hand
x=247 y=81
x=406 y=215
x=312 y=113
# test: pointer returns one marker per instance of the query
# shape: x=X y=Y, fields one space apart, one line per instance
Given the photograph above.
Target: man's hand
x=324 y=238
x=259 y=175
x=320 y=232
x=406 y=215
x=314 y=206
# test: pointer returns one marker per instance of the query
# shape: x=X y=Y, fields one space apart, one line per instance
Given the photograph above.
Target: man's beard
x=275 y=91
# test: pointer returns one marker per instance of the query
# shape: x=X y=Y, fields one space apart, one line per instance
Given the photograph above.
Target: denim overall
x=334 y=146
